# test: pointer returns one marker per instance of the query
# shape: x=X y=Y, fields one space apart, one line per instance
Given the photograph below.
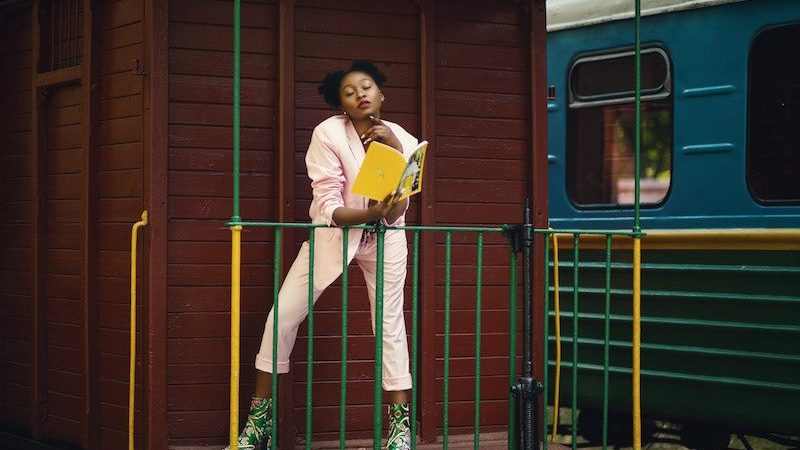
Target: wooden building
x=112 y=107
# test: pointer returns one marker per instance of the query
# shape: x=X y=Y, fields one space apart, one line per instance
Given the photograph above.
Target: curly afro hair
x=329 y=87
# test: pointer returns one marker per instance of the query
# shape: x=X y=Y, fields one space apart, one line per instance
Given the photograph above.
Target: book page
x=411 y=181
x=380 y=172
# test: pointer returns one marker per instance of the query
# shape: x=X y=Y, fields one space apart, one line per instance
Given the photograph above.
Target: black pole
x=527 y=307
x=527 y=389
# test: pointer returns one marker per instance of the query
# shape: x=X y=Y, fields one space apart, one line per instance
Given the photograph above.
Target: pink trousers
x=293 y=308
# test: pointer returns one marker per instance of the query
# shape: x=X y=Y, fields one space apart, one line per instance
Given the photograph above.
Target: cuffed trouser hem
x=402 y=383
x=265 y=365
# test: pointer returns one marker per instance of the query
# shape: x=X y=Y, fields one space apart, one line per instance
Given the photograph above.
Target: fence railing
x=522 y=430
x=552 y=265
x=380 y=232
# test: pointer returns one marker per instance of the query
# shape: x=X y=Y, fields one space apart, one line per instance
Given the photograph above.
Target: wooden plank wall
x=16 y=310
x=200 y=190
x=480 y=66
x=482 y=175
x=84 y=263
x=63 y=268
x=120 y=203
x=476 y=102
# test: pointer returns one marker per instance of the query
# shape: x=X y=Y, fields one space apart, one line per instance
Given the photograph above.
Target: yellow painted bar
x=782 y=239
x=637 y=341
x=132 y=372
x=236 y=263
x=557 y=312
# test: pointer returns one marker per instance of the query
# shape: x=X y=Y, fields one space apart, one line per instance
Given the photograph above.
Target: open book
x=385 y=170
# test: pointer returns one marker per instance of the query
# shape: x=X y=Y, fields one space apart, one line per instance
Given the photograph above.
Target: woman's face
x=360 y=96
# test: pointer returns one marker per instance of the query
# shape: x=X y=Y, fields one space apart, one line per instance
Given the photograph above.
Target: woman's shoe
x=399 y=427
x=257 y=430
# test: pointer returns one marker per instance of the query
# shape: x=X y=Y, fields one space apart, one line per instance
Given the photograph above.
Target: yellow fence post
x=236 y=263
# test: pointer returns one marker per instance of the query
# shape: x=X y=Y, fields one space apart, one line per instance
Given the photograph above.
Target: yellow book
x=385 y=170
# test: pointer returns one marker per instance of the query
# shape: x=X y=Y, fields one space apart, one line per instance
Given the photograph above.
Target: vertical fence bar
x=638 y=115
x=529 y=430
x=237 y=26
x=606 y=338
x=276 y=283
x=575 y=243
x=234 y=400
x=377 y=422
x=513 y=433
x=414 y=339
x=310 y=351
x=446 y=406
x=546 y=339
x=343 y=388
x=557 y=329
x=236 y=261
x=636 y=340
x=478 y=286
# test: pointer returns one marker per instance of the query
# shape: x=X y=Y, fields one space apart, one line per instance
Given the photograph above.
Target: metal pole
x=377 y=419
x=527 y=307
x=636 y=309
x=236 y=264
x=237 y=26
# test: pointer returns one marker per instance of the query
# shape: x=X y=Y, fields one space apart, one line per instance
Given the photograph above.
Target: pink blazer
x=333 y=160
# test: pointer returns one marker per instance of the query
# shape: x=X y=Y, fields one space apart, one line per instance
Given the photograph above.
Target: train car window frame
x=599 y=172
x=662 y=90
x=772 y=188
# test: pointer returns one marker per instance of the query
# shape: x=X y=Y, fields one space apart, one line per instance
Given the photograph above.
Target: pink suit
x=333 y=160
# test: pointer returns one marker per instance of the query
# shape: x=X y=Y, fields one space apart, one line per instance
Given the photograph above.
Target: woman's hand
x=379 y=210
x=397 y=210
x=381 y=133
x=344 y=216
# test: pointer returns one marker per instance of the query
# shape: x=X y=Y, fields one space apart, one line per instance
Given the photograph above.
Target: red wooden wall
x=200 y=190
x=119 y=196
x=479 y=92
x=72 y=177
x=144 y=122
x=15 y=209
x=482 y=176
x=64 y=274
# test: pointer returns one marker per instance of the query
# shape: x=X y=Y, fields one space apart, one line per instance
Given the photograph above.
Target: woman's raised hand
x=381 y=133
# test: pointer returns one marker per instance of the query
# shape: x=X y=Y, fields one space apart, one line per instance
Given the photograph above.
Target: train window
x=617 y=80
x=773 y=148
x=600 y=130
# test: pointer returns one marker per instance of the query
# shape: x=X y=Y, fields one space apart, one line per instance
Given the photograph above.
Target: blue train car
x=720 y=195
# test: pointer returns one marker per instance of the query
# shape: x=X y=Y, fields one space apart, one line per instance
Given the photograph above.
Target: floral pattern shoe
x=399 y=427
x=257 y=430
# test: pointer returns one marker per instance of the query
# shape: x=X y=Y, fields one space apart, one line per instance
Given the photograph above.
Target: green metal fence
x=551 y=291
x=518 y=435
x=415 y=232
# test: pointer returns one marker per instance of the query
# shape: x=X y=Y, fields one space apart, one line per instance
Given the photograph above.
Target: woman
x=334 y=156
